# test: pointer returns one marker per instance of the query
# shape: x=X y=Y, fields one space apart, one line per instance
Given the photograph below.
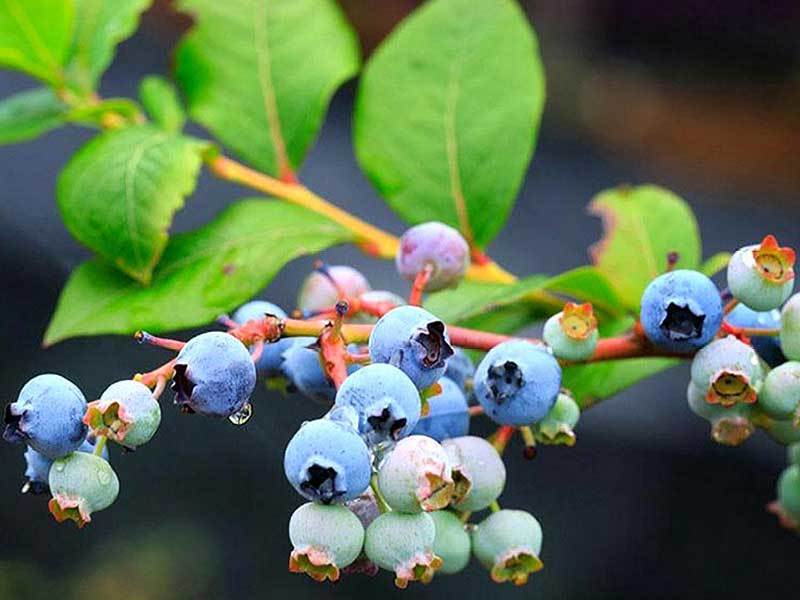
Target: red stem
x=418 y=287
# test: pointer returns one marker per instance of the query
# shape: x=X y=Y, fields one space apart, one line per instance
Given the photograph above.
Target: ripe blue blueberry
x=302 y=368
x=572 y=334
x=271 y=358
x=416 y=476
x=681 y=310
x=517 y=383
x=790 y=328
x=48 y=416
x=413 y=340
x=730 y=426
x=37 y=467
x=326 y=461
x=81 y=484
x=385 y=399
x=729 y=371
x=214 y=375
x=508 y=543
x=478 y=472
x=762 y=276
x=767 y=346
x=437 y=245
x=461 y=370
x=320 y=293
x=448 y=413
x=403 y=543
x=325 y=539
x=452 y=543
x=126 y=413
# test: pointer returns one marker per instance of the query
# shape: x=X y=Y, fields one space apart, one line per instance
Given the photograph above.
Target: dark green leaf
x=35 y=36
x=119 y=192
x=160 y=100
x=92 y=114
x=29 y=114
x=642 y=225
x=448 y=111
x=99 y=26
x=259 y=75
x=201 y=275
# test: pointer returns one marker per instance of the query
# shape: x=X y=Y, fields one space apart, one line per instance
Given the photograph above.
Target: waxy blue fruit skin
x=517 y=383
x=37 y=466
x=302 y=368
x=413 y=340
x=767 y=346
x=327 y=461
x=271 y=358
x=319 y=293
x=214 y=375
x=385 y=399
x=437 y=245
x=461 y=370
x=681 y=310
x=48 y=416
x=448 y=413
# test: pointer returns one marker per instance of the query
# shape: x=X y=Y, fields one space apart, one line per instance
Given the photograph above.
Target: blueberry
x=681 y=310
x=517 y=383
x=789 y=496
x=48 y=416
x=325 y=539
x=320 y=293
x=37 y=467
x=448 y=413
x=461 y=370
x=729 y=372
x=302 y=367
x=762 y=276
x=377 y=297
x=730 y=426
x=768 y=347
x=793 y=453
x=508 y=543
x=783 y=432
x=452 y=543
x=557 y=428
x=572 y=333
x=403 y=543
x=478 y=472
x=327 y=461
x=271 y=358
x=81 y=484
x=413 y=340
x=437 y=245
x=385 y=399
x=214 y=375
x=780 y=395
x=126 y=413
x=416 y=476
x=790 y=328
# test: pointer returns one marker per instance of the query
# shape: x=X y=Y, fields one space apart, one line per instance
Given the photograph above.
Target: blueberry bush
x=392 y=477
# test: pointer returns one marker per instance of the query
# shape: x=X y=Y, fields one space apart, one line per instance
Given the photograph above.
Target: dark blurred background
x=702 y=97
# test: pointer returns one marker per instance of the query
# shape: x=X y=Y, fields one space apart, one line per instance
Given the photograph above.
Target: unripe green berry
x=326 y=538
x=793 y=453
x=478 y=472
x=572 y=333
x=789 y=492
x=452 y=543
x=783 y=432
x=81 y=484
x=762 y=276
x=126 y=413
x=557 y=428
x=780 y=394
x=508 y=543
x=730 y=426
x=728 y=371
x=790 y=328
x=403 y=543
x=416 y=476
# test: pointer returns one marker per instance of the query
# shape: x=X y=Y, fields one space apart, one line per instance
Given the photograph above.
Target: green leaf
x=201 y=275
x=35 y=36
x=715 y=264
x=29 y=114
x=259 y=74
x=642 y=225
x=448 y=111
x=160 y=100
x=99 y=26
x=92 y=114
x=119 y=192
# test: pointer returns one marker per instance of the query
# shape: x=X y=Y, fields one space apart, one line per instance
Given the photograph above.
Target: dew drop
x=242 y=416
x=58 y=465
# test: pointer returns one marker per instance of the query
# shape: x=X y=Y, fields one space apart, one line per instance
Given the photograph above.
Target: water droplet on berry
x=242 y=416
x=58 y=466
